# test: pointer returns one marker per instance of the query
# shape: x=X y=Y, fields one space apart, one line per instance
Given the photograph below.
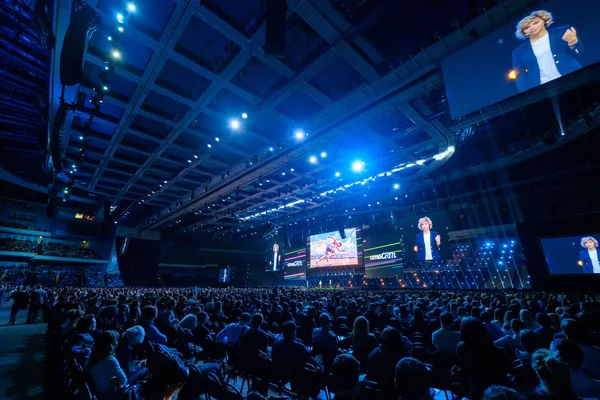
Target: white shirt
x=595 y=263
x=545 y=59
x=427 y=240
x=275 y=261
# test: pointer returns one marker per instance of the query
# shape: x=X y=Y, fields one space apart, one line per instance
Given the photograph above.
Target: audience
x=445 y=338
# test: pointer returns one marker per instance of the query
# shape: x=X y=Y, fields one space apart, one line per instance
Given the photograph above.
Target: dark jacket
x=420 y=242
x=586 y=260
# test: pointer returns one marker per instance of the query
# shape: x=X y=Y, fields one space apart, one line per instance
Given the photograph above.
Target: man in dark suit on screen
x=427 y=242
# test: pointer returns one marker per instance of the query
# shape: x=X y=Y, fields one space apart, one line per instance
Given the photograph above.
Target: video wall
x=224 y=275
x=572 y=255
x=426 y=237
x=554 y=40
x=331 y=250
x=295 y=264
x=274 y=259
x=383 y=256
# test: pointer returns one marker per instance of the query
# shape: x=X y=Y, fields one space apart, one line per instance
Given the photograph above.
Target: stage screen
x=383 y=256
x=294 y=264
x=501 y=65
x=572 y=254
x=274 y=257
x=426 y=245
x=330 y=250
x=225 y=275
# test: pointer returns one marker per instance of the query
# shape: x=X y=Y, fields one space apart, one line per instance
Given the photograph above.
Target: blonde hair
x=522 y=24
x=425 y=219
x=585 y=239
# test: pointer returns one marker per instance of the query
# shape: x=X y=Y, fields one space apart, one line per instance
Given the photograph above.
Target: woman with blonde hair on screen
x=547 y=54
x=588 y=257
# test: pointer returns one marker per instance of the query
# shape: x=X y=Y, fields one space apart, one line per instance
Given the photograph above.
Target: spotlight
x=512 y=75
x=292 y=169
x=283 y=173
x=120 y=29
x=337 y=174
x=106 y=68
x=244 y=115
x=358 y=166
x=131 y=7
x=209 y=145
x=217 y=139
x=120 y=18
x=73 y=166
x=396 y=186
x=105 y=88
x=299 y=135
x=190 y=161
x=235 y=124
x=109 y=38
x=80 y=137
x=165 y=182
x=195 y=156
x=270 y=149
x=312 y=159
x=323 y=155
x=116 y=54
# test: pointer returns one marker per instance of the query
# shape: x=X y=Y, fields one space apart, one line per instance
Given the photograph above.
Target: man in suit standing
x=427 y=242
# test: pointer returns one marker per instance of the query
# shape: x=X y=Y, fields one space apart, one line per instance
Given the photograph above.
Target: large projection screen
x=331 y=250
x=555 y=39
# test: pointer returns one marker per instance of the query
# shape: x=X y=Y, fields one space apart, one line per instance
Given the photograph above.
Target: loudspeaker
x=81 y=27
x=275 y=21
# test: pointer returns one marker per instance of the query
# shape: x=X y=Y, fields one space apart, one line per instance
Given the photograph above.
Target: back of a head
x=149 y=313
x=529 y=340
x=245 y=318
x=569 y=352
x=168 y=377
x=288 y=330
x=517 y=325
x=134 y=335
x=412 y=379
x=486 y=317
x=86 y=323
x=390 y=339
x=473 y=333
x=446 y=319
x=324 y=320
x=543 y=319
x=496 y=392
x=345 y=371
x=572 y=329
x=257 y=320
x=553 y=373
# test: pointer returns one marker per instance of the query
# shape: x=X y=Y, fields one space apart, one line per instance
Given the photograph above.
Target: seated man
x=325 y=342
x=232 y=333
x=290 y=354
x=345 y=372
x=412 y=379
x=152 y=334
x=569 y=352
x=445 y=338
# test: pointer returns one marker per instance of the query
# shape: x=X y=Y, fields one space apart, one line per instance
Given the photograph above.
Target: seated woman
x=363 y=342
x=103 y=365
x=125 y=353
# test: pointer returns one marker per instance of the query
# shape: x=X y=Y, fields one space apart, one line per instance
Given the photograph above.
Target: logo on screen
x=295 y=264
x=383 y=256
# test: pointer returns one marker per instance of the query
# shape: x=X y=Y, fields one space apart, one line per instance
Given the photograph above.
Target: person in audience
x=104 y=367
x=494 y=331
x=527 y=319
x=530 y=342
x=573 y=330
x=130 y=340
x=569 y=352
x=82 y=341
x=255 y=339
x=189 y=322
x=512 y=340
x=363 y=342
x=20 y=300
x=168 y=379
x=324 y=340
x=232 y=333
x=152 y=334
x=345 y=373
x=446 y=339
x=412 y=379
x=290 y=354
x=544 y=332
x=482 y=362
x=554 y=376
x=38 y=301
x=380 y=367
x=461 y=312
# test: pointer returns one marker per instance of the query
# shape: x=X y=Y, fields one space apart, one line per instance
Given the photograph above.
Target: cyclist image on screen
x=331 y=249
x=547 y=54
x=588 y=258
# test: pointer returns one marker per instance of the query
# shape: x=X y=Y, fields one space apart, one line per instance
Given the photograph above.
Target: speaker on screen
x=275 y=18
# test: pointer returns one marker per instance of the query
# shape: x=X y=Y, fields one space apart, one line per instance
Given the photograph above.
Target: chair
x=442 y=363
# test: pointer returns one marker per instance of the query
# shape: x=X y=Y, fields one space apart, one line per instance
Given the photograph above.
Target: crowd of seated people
x=47 y=248
x=17 y=225
x=357 y=344
x=58 y=276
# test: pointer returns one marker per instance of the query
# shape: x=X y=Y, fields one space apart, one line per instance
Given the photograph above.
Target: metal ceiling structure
x=360 y=79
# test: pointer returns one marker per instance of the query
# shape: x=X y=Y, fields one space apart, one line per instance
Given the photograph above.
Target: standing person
x=427 y=242
x=546 y=54
x=39 y=301
x=20 y=301
x=588 y=257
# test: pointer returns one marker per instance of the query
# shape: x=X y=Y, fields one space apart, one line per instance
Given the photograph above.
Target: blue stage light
x=312 y=159
x=234 y=124
x=131 y=7
x=358 y=166
x=396 y=186
x=337 y=174
x=299 y=134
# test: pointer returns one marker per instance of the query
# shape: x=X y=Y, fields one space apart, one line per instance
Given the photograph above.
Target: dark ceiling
x=360 y=78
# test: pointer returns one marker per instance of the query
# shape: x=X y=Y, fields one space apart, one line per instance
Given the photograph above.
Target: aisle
x=22 y=357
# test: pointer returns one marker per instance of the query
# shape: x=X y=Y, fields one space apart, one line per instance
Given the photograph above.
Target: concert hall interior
x=271 y=153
